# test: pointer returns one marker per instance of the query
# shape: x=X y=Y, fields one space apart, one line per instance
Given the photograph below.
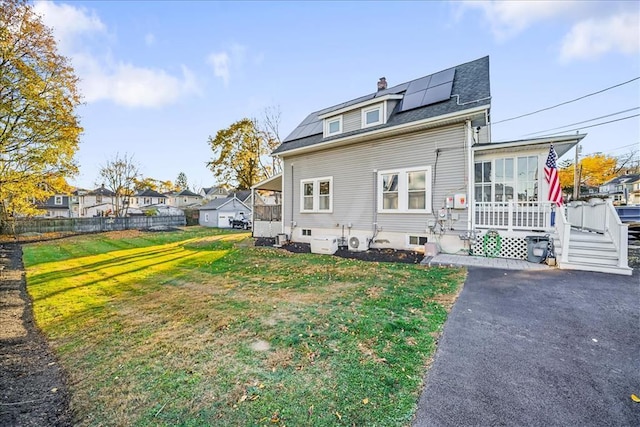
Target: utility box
x=431 y=249
x=460 y=201
x=537 y=248
x=327 y=245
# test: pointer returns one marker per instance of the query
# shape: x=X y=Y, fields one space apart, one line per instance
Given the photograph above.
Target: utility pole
x=576 y=174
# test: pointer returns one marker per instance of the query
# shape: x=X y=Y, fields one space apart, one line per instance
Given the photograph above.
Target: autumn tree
x=119 y=175
x=181 y=182
x=593 y=170
x=39 y=128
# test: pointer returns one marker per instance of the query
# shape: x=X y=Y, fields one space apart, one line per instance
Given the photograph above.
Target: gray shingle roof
x=149 y=193
x=471 y=88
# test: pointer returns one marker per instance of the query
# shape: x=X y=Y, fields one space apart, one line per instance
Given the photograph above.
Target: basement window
x=306 y=232
x=417 y=240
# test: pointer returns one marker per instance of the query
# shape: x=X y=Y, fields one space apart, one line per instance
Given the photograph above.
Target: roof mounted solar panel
x=442 y=77
x=437 y=93
x=418 y=85
x=413 y=100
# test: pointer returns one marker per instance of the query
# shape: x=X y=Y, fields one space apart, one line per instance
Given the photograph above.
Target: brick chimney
x=382 y=84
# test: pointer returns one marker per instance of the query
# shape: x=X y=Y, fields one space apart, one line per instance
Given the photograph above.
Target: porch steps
x=593 y=252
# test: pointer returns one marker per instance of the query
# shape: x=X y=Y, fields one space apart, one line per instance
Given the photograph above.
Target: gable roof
x=149 y=193
x=102 y=191
x=188 y=193
x=470 y=89
x=241 y=195
x=628 y=178
x=219 y=203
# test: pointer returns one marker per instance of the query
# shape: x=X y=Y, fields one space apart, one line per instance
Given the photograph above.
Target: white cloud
x=68 y=22
x=220 y=63
x=149 y=39
x=508 y=18
x=226 y=61
x=101 y=77
x=592 y=38
x=596 y=27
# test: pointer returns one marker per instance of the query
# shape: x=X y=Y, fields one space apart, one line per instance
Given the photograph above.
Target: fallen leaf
x=242 y=398
x=635 y=398
x=365 y=401
x=338 y=415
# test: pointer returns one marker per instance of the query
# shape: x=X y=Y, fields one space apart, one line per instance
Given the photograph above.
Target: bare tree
x=269 y=128
x=119 y=175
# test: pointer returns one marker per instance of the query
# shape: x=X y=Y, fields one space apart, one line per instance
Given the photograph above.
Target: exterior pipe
x=470 y=198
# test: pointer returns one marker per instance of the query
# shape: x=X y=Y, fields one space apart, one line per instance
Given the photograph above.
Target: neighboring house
x=243 y=195
x=98 y=202
x=211 y=193
x=219 y=212
x=184 y=198
x=147 y=198
x=413 y=164
x=634 y=196
x=56 y=206
x=620 y=188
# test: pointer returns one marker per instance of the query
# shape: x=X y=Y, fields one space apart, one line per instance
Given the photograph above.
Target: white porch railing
x=600 y=216
x=564 y=234
x=514 y=215
x=592 y=216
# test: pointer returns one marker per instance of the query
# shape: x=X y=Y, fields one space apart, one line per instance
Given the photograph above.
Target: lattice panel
x=510 y=247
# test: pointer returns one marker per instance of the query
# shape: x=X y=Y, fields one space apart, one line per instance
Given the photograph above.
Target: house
x=216 y=192
x=414 y=163
x=184 y=198
x=219 y=212
x=147 y=197
x=97 y=202
x=243 y=195
x=56 y=206
x=621 y=188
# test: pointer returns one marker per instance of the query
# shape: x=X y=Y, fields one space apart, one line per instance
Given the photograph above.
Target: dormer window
x=333 y=126
x=372 y=116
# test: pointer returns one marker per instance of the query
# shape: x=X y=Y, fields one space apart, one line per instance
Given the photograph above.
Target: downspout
x=292 y=210
x=375 y=207
x=470 y=198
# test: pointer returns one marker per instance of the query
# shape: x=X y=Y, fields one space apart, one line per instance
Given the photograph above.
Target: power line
x=584 y=121
x=591 y=126
x=567 y=102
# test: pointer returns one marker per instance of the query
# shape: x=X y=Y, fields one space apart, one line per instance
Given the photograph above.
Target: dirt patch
x=33 y=388
x=376 y=255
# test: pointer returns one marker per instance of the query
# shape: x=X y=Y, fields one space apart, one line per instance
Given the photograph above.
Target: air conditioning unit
x=324 y=245
x=358 y=243
x=281 y=240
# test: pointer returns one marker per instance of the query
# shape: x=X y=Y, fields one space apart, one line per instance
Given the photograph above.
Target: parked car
x=240 y=221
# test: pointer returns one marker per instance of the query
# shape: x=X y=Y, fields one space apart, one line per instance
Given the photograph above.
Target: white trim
x=403 y=190
x=316 y=195
x=55 y=200
x=415 y=245
x=405 y=127
x=381 y=108
x=359 y=105
x=327 y=125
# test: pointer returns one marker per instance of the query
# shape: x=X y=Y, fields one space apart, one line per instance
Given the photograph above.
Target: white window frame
x=206 y=217
x=328 y=121
x=379 y=107
x=316 y=195
x=419 y=236
x=57 y=200
x=403 y=190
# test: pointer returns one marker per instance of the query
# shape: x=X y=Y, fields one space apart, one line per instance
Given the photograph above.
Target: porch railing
x=514 y=215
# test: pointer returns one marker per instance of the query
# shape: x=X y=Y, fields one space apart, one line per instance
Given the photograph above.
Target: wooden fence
x=90 y=225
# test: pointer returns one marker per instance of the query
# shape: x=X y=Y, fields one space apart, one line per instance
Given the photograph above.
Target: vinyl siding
x=352 y=120
x=354 y=167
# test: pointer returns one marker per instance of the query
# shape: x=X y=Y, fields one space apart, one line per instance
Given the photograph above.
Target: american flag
x=551 y=175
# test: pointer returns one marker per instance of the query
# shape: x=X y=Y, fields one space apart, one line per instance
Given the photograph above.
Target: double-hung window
x=58 y=200
x=372 y=116
x=405 y=190
x=316 y=195
x=333 y=126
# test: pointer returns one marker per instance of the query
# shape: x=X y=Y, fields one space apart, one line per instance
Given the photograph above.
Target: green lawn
x=198 y=327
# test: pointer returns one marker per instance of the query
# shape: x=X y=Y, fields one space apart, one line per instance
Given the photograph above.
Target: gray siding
x=354 y=167
x=352 y=120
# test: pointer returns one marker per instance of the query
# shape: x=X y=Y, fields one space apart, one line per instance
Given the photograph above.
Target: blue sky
x=159 y=77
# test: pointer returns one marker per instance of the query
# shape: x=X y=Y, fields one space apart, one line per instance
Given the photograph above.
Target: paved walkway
x=478 y=261
x=537 y=348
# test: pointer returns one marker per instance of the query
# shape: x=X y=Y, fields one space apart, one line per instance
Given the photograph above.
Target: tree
x=241 y=151
x=39 y=129
x=119 y=175
x=594 y=170
x=181 y=182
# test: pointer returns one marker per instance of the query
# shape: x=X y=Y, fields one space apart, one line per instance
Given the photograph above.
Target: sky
x=159 y=77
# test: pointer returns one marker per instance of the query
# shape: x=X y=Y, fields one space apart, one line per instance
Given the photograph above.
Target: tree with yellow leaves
x=594 y=170
x=239 y=153
x=39 y=129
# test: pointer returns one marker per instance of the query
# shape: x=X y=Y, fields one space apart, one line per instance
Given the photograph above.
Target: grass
x=198 y=328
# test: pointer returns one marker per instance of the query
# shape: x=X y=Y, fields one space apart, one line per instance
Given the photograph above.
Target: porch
x=584 y=236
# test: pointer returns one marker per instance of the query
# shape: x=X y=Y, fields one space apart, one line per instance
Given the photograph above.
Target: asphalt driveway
x=537 y=348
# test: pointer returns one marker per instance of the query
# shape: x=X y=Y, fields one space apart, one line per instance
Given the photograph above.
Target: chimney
x=382 y=84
